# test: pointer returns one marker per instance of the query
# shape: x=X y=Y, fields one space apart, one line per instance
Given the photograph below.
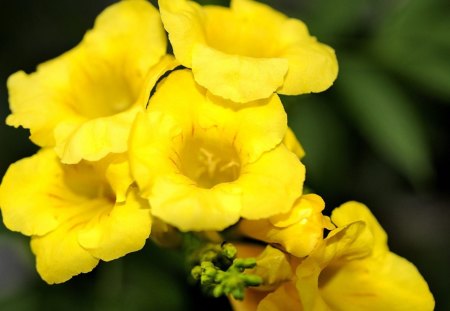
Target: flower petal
x=124 y=230
x=25 y=193
x=93 y=139
x=391 y=283
x=354 y=211
x=59 y=256
x=129 y=31
x=312 y=66
x=257 y=10
x=184 y=205
x=238 y=78
x=279 y=175
x=145 y=162
x=297 y=231
x=284 y=298
x=183 y=20
x=342 y=244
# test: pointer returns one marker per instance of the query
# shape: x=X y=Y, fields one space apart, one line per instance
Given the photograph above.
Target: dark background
x=380 y=135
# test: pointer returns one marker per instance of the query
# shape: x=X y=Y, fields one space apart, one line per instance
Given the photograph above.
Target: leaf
x=413 y=41
x=324 y=139
x=385 y=117
x=331 y=21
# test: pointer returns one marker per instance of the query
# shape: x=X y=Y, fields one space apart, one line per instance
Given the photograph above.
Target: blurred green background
x=380 y=135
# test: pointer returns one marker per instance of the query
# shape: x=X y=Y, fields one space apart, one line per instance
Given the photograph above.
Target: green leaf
x=385 y=117
x=323 y=135
x=413 y=41
x=331 y=21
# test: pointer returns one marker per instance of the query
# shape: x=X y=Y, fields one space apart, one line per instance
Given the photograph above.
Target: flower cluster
x=138 y=143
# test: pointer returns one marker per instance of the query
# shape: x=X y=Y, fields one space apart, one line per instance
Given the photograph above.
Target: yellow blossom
x=75 y=214
x=354 y=270
x=351 y=269
x=248 y=51
x=204 y=163
x=297 y=231
x=84 y=101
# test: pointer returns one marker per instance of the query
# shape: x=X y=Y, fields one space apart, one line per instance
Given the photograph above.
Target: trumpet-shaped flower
x=297 y=231
x=248 y=51
x=75 y=214
x=351 y=269
x=84 y=101
x=354 y=270
x=203 y=163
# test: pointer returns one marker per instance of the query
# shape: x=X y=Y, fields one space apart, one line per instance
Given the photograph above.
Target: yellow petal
x=235 y=77
x=392 y=283
x=59 y=256
x=250 y=302
x=284 y=298
x=183 y=20
x=257 y=10
x=129 y=31
x=124 y=230
x=190 y=208
x=354 y=211
x=165 y=64
x=119 y=176
x=297 y=231
x=279 y=175
x=305 y=206
x=93 y=139
x=312 y=65
x=256 y=127
x=344 y=245
x=35 y=102
x=147 y=163
x=25 y=192
x=273 y=266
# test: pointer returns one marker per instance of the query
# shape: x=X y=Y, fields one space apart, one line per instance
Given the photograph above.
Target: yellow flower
x=75 y=214
x=203 y=163
x=297 y=231
x=248 y=51
x=354 y=270
x=84 y=101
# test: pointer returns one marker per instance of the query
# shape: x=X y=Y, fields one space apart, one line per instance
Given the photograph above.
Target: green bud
x=252 y=279
x=229 y=251
x=196 y=272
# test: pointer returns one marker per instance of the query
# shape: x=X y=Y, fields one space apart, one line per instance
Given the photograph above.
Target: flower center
x=209 y=162
x=100 y=91
x=85 y=183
